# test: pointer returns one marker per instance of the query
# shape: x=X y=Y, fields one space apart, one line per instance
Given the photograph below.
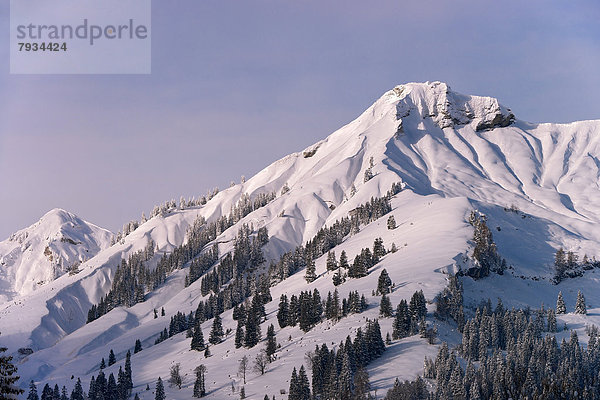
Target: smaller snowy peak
x=44 y=251
x=447 y=108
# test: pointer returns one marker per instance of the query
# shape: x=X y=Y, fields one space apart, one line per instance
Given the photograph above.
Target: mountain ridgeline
x=360 y=266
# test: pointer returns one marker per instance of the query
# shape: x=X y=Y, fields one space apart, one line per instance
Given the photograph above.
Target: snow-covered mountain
x=54 y=245
x=537 y=184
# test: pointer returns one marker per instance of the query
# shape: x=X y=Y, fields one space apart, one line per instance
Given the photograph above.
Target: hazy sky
x=236 y=85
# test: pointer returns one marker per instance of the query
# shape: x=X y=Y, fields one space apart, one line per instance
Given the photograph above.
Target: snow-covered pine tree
x=32 y=394
x=159 y=393
x=580 y=307
x=560 y=304
x=8 y=377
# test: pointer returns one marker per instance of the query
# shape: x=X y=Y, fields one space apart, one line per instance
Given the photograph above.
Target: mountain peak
x=47 y=249
x=447 y=108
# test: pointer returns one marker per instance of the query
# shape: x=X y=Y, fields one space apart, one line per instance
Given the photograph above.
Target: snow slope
x=46 y=250
x=453 y=153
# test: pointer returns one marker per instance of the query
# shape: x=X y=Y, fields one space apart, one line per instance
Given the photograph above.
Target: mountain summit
x=57 y=243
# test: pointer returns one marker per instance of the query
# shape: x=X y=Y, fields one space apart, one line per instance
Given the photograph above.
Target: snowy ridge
x=46 y=250
x=452 y=152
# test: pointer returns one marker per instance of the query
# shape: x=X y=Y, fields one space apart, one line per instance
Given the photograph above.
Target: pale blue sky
x=237 y=85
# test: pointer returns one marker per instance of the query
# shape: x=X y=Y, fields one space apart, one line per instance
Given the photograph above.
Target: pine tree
x=8 y=377
x=102 y=363
x=111 y=387
x=33 y=394
x=294 y=390
x=391 y=222
x=560 y=304
x=310 y=274
x=138 y=346
x=111 y=358
x=378 y=250
x=385 y=307
x=216 y=333
x=331 y=261
x=77 y=393
x=384 y=283
x=401 y=324
x=271 y=346
x=239 y=335
x=199 y=384
x=337 y=278
x=197 y=339
x=344 y=260
x=303 y=385
x=160 y=390
x=128 y=374
x=252 y=335
x=346 y=378
x=551 y=320
x=580 y=307
x=283 y=311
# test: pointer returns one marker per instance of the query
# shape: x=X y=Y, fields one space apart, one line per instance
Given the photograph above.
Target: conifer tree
x=560 y=304
x=385 y=307
x=138 y=346
x=111 y=387
x=160 y=390
x=33 y=394
x=77 y=393
x=551 y=320
x=199 y=384
x=384 y=283
x=271 y=346
x=216 y=333
x=128 y=374
x=401 y=324
x=391 y=222
x=239 y=335
x=8 y=377
x=197 y=338
x=344 y=260
x=111 y=358
x=331 y=261
x=283 y=311
x=580 y=307
x=310 y=274
x=338 y=278
x=294 y=390
x=303 y=385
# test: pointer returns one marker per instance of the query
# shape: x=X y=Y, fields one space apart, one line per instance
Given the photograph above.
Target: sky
x=236 y=85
